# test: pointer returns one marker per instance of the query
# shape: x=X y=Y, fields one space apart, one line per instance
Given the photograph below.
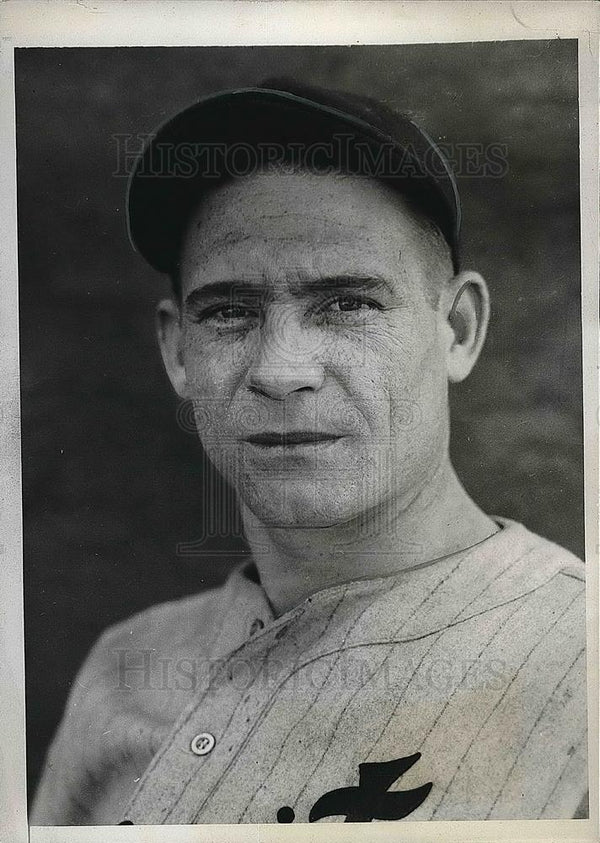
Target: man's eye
x=349 y=304
x=227 y=314
x=233 y=312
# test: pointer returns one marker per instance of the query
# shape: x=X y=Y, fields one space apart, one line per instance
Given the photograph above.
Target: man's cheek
x=212 y=359
x=214 y=424
x=209 y=394
x=419 y=415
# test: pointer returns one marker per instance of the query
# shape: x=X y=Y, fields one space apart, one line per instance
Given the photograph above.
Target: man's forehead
x=312 y=223
x=281 y=230
x=292 y=204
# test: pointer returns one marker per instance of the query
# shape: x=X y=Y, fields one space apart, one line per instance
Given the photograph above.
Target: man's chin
x=308 y=508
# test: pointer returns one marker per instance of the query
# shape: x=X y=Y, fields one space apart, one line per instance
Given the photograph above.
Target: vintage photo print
x=304 y=454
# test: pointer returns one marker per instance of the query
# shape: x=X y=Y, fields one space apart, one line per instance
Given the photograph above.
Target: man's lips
x=272 y=439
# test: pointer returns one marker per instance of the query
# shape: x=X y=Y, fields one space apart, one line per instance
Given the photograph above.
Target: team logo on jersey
x=371 y=800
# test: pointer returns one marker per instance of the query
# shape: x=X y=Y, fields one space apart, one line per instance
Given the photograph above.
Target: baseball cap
x=236 y=132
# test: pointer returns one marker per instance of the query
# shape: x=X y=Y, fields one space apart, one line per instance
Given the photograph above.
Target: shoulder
x=540 y=631
x=526 y=563
x=124 y=672
x=538 y=579
x=543 y=570
x=171 y=623
x=523 y=542
x=121 y=705
x=500 y=580
x=132 y=655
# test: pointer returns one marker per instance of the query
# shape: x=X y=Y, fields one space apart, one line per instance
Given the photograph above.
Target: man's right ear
x=170 y=341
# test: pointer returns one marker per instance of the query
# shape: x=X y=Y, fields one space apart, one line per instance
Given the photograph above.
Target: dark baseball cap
x=238 y=132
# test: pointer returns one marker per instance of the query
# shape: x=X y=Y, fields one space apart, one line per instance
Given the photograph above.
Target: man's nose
x=285 y=360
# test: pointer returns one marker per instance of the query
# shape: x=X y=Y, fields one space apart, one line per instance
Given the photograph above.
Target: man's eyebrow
x=221 y=289
x=373 y=283
x=228 y=289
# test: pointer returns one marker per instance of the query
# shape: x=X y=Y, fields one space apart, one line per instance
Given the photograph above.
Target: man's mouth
x=272 y=439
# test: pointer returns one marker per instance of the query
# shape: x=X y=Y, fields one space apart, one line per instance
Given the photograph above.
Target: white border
x=109 y=23
x=279 y=22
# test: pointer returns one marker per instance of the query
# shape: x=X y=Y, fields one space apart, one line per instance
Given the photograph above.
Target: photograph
x=302 y=433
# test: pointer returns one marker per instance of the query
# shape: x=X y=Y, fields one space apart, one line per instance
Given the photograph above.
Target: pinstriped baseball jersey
x=455 y=690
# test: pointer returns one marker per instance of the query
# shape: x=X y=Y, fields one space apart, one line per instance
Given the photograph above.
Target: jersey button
x=257 y=625
x=203 y=743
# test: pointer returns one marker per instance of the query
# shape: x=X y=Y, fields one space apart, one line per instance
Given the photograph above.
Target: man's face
x=314 y=354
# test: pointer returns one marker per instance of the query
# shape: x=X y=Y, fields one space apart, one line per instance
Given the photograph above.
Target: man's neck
x=294 y=563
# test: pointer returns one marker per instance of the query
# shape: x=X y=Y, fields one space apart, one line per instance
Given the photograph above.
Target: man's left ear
x=465 y=307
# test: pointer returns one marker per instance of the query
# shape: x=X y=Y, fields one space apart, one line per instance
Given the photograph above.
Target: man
x=391 y=651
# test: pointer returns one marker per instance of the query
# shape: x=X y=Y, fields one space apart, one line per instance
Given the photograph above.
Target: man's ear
x=170 y=341
x=465 y=305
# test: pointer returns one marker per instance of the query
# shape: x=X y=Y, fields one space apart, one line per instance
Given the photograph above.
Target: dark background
x=114 y=482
